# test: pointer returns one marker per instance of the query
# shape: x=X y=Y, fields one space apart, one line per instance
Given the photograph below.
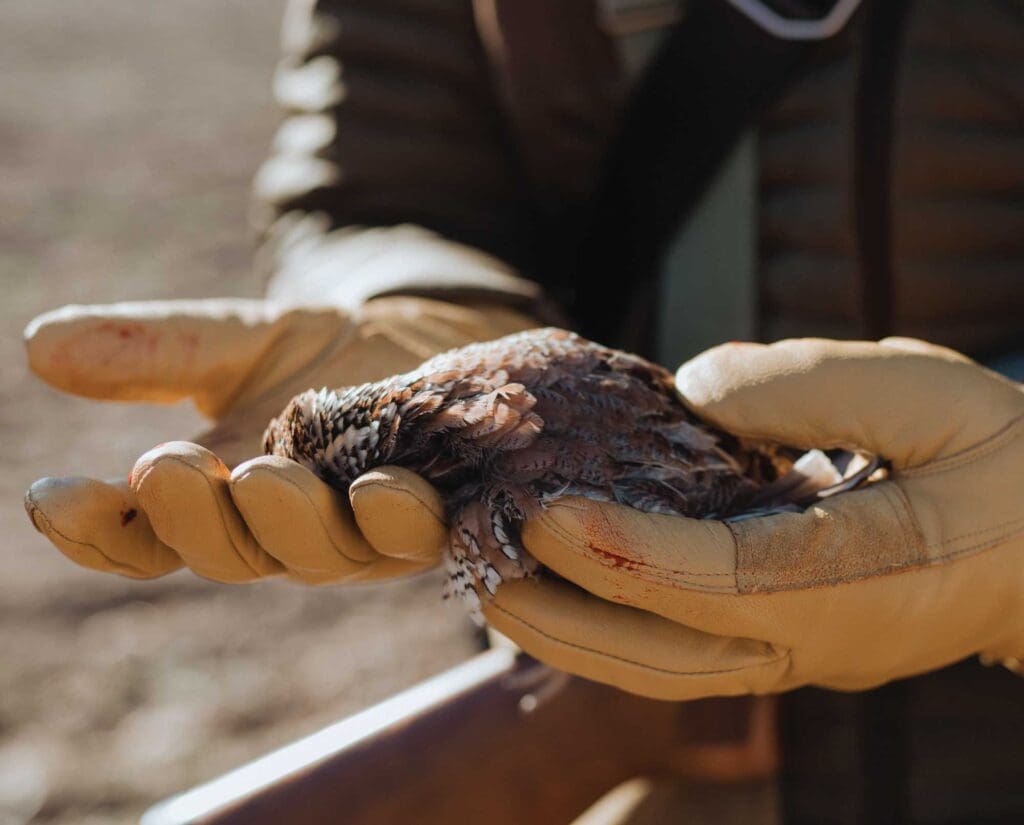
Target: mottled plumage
x=504 y=427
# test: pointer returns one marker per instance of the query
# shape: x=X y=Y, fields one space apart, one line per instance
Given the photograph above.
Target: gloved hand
x=241 y=361
x=904 y=576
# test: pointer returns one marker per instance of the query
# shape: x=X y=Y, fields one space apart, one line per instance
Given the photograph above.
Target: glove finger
x=163 y=351
x=305 y=524
x=907 y=401
x=99 y=525
x=185 y=491
x=631 y=649
x=400 y=514
x=741 y=579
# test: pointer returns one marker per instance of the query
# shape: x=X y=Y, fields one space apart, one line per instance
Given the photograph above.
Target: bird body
x=505 y=427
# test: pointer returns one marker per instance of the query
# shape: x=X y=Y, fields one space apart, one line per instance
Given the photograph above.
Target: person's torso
x=947 y=104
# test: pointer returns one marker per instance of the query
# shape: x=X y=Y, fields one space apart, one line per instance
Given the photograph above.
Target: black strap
x=717 y=72
x=877 y=86
x=885 y=724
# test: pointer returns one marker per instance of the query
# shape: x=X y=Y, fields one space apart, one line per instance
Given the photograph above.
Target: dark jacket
x=490 y=122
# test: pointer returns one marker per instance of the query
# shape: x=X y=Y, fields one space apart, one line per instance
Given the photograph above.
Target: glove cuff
x=348 y=267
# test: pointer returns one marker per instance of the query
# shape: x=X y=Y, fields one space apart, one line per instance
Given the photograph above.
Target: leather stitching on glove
x=985 y=544
x=654 y=668
x=983 y=448
x=116 y=566
x=399 y=488
x=341 y=553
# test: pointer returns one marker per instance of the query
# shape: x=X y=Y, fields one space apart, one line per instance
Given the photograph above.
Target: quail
x=506 y=427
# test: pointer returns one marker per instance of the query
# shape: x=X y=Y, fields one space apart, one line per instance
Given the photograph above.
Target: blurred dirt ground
x=128 y=136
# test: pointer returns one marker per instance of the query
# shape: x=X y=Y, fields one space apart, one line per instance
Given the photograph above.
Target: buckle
x=822 y=27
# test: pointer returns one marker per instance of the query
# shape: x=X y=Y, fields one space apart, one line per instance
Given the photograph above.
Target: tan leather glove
x=240 y=361
x=904 y=576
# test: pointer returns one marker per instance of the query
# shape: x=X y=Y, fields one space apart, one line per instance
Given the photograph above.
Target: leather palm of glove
x=903 y=576
x=241 y=361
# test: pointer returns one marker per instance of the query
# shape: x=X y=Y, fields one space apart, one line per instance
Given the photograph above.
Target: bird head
x=338 y=435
